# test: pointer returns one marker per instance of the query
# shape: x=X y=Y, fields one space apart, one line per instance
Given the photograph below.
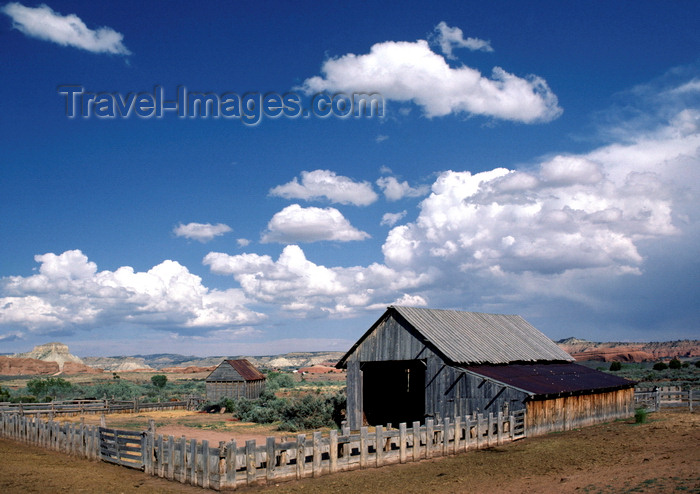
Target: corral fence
x=81 y=407
x=230 y=465
x=654 y=399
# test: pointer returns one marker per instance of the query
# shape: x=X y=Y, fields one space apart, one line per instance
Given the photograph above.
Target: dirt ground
x=662 y=455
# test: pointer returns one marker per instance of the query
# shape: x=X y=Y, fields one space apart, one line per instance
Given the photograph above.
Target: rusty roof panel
x=551 y=379
x=246 y=370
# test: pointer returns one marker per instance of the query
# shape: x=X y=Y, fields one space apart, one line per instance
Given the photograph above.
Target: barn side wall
x=449 y=391
x=565 y=413
x=234 y=390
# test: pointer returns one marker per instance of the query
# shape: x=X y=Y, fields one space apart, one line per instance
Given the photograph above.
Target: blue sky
x=537 y=159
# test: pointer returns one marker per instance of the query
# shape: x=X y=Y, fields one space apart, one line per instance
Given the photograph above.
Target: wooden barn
x=235 y=379
x=414 y=364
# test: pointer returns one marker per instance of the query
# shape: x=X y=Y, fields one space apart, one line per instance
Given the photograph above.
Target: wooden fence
x=229 y=465
x=81 y=407
x=667 y=397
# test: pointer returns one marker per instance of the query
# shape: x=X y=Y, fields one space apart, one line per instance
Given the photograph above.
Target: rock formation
x=51 y=352
x=630 y=352
x=14 y=366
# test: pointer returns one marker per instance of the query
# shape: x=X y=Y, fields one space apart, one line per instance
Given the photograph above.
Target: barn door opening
x=393 y=391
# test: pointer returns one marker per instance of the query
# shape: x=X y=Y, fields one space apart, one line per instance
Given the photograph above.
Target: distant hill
x=55 y=358
x=630 y=352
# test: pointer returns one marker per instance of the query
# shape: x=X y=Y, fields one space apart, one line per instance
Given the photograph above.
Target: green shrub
x=674 y=364
x=659 y=366
x=5 y=394
x=277 y=380
x=615 y=366
x=49 y=388
x=159 y=380
x=640 y=415
x=697 y=363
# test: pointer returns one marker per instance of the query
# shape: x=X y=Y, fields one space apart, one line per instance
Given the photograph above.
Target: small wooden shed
x=235 y=379
x=414 y=364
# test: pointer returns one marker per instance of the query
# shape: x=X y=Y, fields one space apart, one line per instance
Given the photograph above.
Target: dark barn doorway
x=393 y=392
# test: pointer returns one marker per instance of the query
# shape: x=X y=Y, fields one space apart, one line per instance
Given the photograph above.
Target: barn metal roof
x=475 y=338
x=235 y=370
x=551 y=379
x=478 y=338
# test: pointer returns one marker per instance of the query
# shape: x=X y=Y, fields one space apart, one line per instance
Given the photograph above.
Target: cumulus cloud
x=395 y=190
x=69 y=291
x=410 y=71
x=300 y=286
x=319 y=184
x=572 y=212
x=69 y=30
x=391 y=219
x=452 y=37
x=202 y=232
x=296 y=224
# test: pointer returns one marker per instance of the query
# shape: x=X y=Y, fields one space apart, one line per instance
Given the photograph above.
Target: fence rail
x=80 y=407
x=230 y=465
x=672 y=397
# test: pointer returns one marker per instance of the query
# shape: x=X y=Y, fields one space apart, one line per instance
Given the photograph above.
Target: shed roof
x=551 y=379
x=465 y=338
x=233 y=370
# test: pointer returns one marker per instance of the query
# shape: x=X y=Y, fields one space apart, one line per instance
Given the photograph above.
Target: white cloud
x=410 y=71
x=69 y=30
x=300 y=286
x=573 y=212
x=296 y=224
x=391 y=219
x=318 y=184
x=203 y=232
x=381 y=138
x=395 y=190
x=243 y=242
x=69 y=291
x=452 y=37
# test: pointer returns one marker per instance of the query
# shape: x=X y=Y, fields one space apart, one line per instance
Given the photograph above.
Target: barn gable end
x=235 y=379
x=414 y=364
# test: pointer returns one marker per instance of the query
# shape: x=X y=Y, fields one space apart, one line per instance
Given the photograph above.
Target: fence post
x=690 y=399
x=316 y=465
x=193 y=461
x=363 y=447
x=429 y=437
x=416 y=441
x=301 y=455
x=205 y=463
x=379 y=449
x=171 y=457
x=271 y=460
x=333 y=451
x=183 y=459
x=222 y=465
x=402 y=442
x=231 y=466
x=446 y=437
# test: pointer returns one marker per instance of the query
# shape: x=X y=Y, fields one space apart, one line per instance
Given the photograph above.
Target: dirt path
x=660 y=456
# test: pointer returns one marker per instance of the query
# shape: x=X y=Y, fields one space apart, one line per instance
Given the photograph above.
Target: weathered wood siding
x=240 y=389
x=449 y=391
x=565 y=413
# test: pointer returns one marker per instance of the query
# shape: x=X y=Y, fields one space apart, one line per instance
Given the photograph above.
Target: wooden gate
x=122 y=447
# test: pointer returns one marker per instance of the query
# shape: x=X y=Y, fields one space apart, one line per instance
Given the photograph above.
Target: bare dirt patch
x=660 y=456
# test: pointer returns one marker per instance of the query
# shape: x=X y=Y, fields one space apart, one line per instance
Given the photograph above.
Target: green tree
x=159 y=380
x=659 y=366
x=615 y=366
x=674 y=364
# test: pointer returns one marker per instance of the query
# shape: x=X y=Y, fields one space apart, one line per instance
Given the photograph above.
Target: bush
x=640 y=415
x=674 y=364
x=159 y=380
x=49 y=388
x=615 y=366
x=659 y=366
x=5 y=394
x=697 y=363
x=277 y=380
